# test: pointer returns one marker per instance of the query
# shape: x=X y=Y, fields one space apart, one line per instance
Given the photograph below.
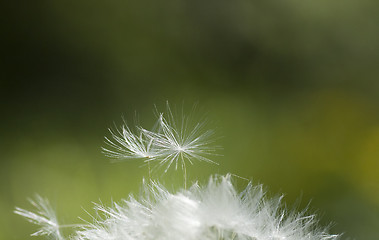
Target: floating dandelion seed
x=180 y=145
x=167 y=144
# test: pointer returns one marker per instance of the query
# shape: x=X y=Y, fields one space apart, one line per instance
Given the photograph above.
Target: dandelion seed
x=166 y=144
x=178 y=146
x=45 y=217
x=128 y=145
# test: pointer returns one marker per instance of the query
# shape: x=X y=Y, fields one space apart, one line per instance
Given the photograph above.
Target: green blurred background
x=291 y=86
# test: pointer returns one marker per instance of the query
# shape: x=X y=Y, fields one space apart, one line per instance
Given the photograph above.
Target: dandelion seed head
x=212 y=212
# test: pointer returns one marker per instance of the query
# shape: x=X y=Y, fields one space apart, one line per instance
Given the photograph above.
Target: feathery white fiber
x=128 y=145
x=212 y=212
x=179 y=144
x=45 y=217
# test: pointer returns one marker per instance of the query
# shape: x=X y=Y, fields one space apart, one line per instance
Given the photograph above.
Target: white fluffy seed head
x=216 y=211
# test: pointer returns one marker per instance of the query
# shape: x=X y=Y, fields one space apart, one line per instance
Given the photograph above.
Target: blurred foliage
x=292 y=86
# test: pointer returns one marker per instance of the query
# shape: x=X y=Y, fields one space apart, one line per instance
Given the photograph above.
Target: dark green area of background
x=292 y=86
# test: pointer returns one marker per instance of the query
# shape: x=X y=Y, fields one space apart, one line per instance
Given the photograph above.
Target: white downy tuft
x=44 y=217
x=178 y=145
x=129 y=145
x=169 y=143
